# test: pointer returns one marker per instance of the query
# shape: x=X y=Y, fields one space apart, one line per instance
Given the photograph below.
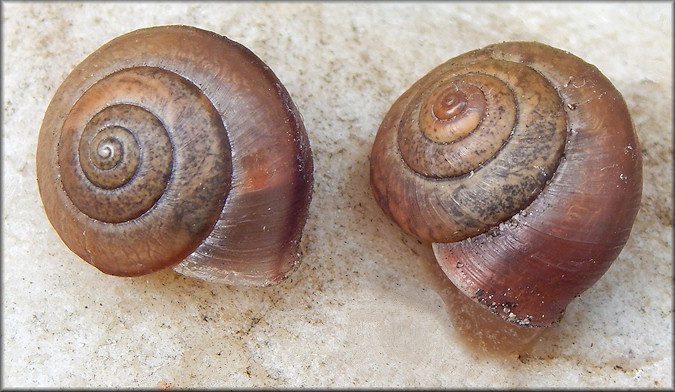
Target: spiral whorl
x=171 y=141
x=479 y=139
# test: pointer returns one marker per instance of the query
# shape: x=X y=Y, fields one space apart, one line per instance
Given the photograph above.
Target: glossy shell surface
x=519 y=162
x=176 y=145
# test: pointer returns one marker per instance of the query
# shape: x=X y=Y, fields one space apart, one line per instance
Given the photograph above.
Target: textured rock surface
x=369 y=306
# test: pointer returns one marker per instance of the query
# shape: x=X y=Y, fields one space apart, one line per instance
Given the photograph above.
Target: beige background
x=368 y=307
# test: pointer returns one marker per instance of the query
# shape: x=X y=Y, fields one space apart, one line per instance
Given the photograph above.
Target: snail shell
x=174 y=146
x=520 y=164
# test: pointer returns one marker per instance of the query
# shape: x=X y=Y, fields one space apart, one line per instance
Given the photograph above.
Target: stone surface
x=368 y=307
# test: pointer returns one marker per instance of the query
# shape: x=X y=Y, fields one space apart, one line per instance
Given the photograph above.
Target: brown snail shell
x=175 y=146
x=519 y=162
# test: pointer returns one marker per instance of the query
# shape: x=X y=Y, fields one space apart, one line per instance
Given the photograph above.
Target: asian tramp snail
x=519 y=162
x=175 y=146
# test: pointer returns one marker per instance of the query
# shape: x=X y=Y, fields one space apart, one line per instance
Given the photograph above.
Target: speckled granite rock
x=368 y=307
